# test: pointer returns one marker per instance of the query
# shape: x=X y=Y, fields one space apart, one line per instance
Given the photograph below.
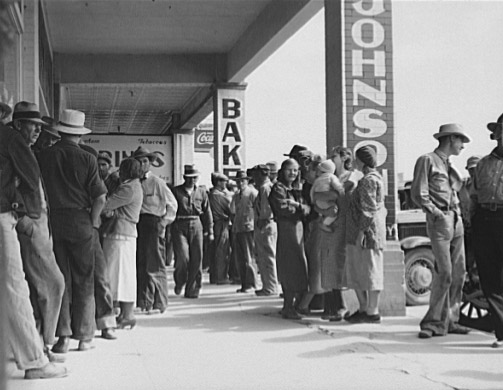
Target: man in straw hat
x=158 y=210
x=487 y=222
x=20 y=180
x=76 y=196
x=193 y=221
x=434 y=188
x=42 y=272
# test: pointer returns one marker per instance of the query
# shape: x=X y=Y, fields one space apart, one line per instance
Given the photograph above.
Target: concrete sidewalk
x=225 y=340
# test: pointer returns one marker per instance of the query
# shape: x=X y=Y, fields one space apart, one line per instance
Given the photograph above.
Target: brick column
x=359 y=66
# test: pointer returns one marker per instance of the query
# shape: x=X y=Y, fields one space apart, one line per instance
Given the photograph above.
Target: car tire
x=419 y=267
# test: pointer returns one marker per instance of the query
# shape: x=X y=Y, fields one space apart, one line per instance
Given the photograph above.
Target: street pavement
x=225 y=340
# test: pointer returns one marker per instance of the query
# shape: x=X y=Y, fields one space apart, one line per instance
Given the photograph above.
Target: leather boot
x=62 y=345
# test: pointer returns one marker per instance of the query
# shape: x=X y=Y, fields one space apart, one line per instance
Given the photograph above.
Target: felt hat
x=241 y=175
x=106 y=156
x=452 y=129
x=367 y=155
x=72 y=122
x=48 y=127
x=262 y=168
x=492 y=126
x=27 y=112
x=190 y=171
x=144 y=152
x=299 y=151
x=219 y=176
x=472 y=162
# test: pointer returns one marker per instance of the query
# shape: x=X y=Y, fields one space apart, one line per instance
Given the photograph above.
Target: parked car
x=419 y=259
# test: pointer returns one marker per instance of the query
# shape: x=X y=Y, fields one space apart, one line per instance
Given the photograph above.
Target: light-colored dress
x=333 y=244
x=366 y=234
x=119 y=241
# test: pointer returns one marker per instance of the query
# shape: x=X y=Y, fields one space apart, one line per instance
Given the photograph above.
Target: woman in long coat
x=289 y=210
x=119 y=242
x=366 y=237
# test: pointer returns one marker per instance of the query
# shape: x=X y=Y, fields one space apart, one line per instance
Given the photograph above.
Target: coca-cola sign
x=203 y=140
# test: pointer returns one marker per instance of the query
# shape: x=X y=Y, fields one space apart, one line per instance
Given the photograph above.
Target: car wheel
x=419 y=266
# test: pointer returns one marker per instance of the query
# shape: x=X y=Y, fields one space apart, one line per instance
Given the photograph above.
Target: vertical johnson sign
x=229 y=124
x=369 y=87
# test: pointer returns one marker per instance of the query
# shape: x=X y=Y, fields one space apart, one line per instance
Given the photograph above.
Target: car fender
x=412 y=242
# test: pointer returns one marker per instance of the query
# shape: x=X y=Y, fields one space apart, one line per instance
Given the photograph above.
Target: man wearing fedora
x=487 y=222
x=193 y=221
x=76 y=197
x=44 y=277
x=158 y=210
x=265 y=232
x=21 y=196
x=434 y=188
x=220 y=203
x=243 y=228
x=48 y=137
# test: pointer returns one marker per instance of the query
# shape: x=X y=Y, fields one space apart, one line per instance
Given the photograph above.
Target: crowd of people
x=87 y=247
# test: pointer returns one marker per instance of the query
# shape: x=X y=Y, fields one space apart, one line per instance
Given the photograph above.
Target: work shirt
x=158 y=199
x=261 y=207
x=220 y=202
x=488 y=180
x=18 y=164
x=435 y=183
x=194 y=204
x=242 y=209
x=71 y=176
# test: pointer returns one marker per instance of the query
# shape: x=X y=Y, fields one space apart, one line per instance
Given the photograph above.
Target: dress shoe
x=50 y=370
x=191 y=296
x=62 y=345
x=125 y=323
x=85 y=345
x=425 y=334
x=458 y=329
x=108 y=334
x=372 y=318
x=357 y=317
x=291 y=315
x=497 y=344
x=244 y=290
x=304 y=312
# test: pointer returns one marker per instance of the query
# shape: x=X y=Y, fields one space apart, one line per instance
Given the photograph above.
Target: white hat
x=72 y=122
x=452 y=129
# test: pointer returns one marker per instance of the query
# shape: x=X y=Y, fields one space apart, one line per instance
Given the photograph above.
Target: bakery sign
x=203 y=138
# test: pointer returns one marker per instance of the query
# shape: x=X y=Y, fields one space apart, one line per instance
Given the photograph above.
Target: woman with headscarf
x=366 y=237
x=289 y=210
x=119 y=239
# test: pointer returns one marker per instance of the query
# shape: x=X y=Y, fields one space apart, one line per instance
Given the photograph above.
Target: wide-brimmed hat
x=72 y=122
x=241 y=175
x=452 y=129
x=48 y=127
x=5 y=110
x=144 y=152
x=26 y=111
x=296 y=151
x=472 y=162
x=105 y=156
x=492 y=126
x=190 y=171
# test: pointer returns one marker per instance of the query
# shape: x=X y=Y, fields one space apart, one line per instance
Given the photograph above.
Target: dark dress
x=290 y=256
